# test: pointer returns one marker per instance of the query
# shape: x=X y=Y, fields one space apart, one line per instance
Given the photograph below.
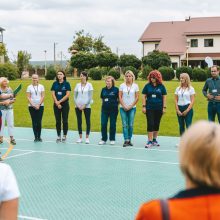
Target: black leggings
x=63 y=112
x=36 y=117
x=153 y=119
x=87 y=113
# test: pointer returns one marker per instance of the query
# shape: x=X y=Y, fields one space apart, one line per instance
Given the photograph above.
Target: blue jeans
x=127 y=118
x=213 y=109
x=184 y=121
x=104 y=122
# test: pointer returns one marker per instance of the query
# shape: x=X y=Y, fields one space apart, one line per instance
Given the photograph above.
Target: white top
x=128 y=93
x=8 y=185
x=184 y=95
x=83 y=95
x=36 y=93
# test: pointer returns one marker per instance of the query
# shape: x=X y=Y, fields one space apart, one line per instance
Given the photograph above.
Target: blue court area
x=89 y=181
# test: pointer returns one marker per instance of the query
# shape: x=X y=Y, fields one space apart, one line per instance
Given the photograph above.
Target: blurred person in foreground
x=199 y=156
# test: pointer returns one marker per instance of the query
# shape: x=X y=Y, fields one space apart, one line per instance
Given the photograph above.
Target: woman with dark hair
x=60 y=93
x=154 y=105
x=109 y=96
x=83 y=99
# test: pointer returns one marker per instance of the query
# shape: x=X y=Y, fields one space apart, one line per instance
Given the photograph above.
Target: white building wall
x=149 y=47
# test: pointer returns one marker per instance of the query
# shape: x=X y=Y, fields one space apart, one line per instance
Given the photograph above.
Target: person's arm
x=176 y=105
x=120 y=94
x=164 y=104
x=192 y=99
x=65 y=97
x=54 y=98
x=29 y=99
x=135 y=101
x=9 y=210
x=144 y=99
x=42 y=97
x=205 y=89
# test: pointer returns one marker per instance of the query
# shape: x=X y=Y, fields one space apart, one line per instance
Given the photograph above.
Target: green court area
x=89 y=181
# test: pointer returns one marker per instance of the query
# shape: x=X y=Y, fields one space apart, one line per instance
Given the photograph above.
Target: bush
x=167 y=73
x=133 y=69
x=51 y=73
x=95 y=73
x=114 y=73
x=9 y=71
x=145 y=72
x=199 y=74
x=183 y=69
x=129 y=60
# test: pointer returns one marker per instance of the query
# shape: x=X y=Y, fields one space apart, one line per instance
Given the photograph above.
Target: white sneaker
x=79 y=141
x=102 y=142
x=112 y=142
x=87 y=141
x=177 y=145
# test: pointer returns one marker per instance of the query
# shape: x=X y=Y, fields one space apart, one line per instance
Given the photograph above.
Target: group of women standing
x=126 y=96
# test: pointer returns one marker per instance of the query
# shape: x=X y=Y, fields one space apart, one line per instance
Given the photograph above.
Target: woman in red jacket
x=200 y=164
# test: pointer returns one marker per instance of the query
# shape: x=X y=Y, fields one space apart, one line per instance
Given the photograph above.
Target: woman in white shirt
x=184 y=100
x=128 y=97
x=35 y=96
x=83 y=99
x=9 y=193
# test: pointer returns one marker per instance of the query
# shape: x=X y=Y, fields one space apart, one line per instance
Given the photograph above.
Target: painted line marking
x=106 y=145
x=19 y=155
x=96 y=156
x=30 y=218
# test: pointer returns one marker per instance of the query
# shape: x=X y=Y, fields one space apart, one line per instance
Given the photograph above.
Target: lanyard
x=183 y=91
x=36 y=91
x=128 y=90
x=82 y=88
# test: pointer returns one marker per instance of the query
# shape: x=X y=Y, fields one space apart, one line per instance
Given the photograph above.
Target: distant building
x=186 y=42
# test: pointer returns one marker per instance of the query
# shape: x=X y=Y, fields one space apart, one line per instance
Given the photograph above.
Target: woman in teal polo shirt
x=60 y=93
x=154 y=105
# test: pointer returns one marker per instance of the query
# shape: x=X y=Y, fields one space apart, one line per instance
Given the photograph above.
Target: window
x=208 y=42
x=194 y=43
x=156 y=46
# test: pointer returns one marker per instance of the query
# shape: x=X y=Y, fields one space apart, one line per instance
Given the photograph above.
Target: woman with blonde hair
x=109 y=96
x=7 y=109
x=184 y=100
x=199 y=158
x=128 y=97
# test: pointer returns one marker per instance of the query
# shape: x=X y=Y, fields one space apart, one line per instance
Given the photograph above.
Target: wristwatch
x=143 y=106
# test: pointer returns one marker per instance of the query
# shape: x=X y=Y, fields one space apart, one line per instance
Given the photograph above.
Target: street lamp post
x=45 y=62
x=187 y=52
x=54 y=52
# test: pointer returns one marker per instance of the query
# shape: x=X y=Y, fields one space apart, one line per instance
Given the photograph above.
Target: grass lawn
x=169 y=125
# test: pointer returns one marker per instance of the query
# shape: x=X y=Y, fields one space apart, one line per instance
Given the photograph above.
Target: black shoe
x=129 y=143
x=40 y=140
x=125 y=144
x=35 y=140
x=64 y=139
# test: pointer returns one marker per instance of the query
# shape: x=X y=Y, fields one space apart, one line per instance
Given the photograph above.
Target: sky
x=35 y=25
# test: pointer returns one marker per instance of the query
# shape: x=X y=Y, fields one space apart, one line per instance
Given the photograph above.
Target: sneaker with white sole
x=102 y=142
x=87 y=141
x=155 y=143
x=79 y=141
x=149 y=144
x=112 y=142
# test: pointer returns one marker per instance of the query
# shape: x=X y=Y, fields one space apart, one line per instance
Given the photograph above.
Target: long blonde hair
x=200 y=154
x=187 y=79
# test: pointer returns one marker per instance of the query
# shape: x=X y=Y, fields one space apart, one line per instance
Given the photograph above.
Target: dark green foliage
x=156 y=59
x=199 y=74
x=9 y=71
x=95 y=73
x=183 y=69
x=133 y=69
x=106 y=59
x=114 y=73
x=129 y=60
x=51 y=73
x=145 y=72
x=167 y=73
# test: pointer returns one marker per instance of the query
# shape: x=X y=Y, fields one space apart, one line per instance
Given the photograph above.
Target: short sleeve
x=137 y=88
x=68 y=87
x=76 y=87
x=164 y=91
x=121 y=87
x=176 y=91
x=144 y=91
x=192 y=91
x=42 y=88
x=90 y=87
x=28 y=89
x=101 y=96
x=10 y=188
x=53 y=87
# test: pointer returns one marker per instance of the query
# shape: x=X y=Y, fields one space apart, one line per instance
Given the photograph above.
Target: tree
x=129 y=60
x=23 y=59
x=83 y=60
x=3 y=52
x=87 y=43
x=106 y=59
x=156 y=59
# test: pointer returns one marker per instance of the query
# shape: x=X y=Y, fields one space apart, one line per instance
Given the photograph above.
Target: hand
x=144 y=110
x=164 y=110
x=59 y=106
x=179 y=112
x=209 y=96
x=217 y=97
x=185 y=112
x=6 y=102
x=57 y=103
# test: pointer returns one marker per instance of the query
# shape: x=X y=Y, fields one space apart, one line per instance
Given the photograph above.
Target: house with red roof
x=187 y=42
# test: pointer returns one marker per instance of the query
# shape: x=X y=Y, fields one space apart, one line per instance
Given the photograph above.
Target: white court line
x=30 y=218
x=19 y=155
x=97 y=156
x=105 y=145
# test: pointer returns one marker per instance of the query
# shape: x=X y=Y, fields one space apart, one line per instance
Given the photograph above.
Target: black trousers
x=87 y=113
x=63 y=114
x=153 y=119
x=36 y=117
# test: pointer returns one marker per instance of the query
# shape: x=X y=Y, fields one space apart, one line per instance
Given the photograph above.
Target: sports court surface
x=89 y=181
